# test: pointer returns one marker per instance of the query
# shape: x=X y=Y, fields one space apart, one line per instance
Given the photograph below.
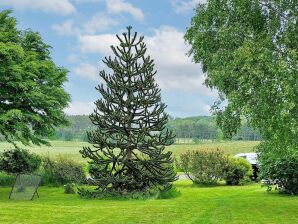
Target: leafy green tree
x=131 y=136
x=32 y=97
x=248 y=49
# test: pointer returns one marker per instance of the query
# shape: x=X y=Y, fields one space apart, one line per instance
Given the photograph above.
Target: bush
x=69 y=188
x=203 y=166
x=62 y=171
x=237 y=171
x=6 y=179
x=177 y=165
x=279 y=167
x=17 y=161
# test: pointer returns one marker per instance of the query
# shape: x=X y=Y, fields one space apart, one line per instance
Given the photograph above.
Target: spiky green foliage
x=130 y=138
x=32 y=97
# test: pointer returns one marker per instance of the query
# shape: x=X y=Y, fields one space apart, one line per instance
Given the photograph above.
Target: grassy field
x=230 y=147
x=221 y=204
x=72 y=148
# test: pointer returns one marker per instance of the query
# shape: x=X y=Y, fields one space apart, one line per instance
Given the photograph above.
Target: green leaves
x=204 y=166
x=16 y=161
x=244 y=48
x=279 y=163
x=248 y=50
x=32 y=97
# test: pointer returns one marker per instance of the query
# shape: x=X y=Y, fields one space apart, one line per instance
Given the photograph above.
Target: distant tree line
x=190 y=129
x=195 y=129
x=202 y=128
x=79 y=124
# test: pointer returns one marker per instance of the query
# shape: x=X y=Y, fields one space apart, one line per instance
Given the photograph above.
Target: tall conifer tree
x=129 y=142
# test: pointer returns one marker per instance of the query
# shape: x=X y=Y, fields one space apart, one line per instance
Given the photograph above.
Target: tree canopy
x=248 y=50
x=32 y=96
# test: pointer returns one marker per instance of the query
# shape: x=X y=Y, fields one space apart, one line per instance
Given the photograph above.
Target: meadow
x=71 y=148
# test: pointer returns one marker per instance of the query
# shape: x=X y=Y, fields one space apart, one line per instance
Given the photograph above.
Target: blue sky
x=81 y=32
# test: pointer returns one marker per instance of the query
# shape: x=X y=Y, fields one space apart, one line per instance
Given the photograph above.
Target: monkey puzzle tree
x=130 y=138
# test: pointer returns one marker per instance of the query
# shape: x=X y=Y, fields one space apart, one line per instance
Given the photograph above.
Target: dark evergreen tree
x=130 y=138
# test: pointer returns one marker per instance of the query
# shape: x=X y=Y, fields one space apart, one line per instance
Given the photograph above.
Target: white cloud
x=120 y=6
x=99 y=22
x=182 y=6
x=63 y=7
x=175 y=70
x=87 y=70
x=79 y=108
x=74 y=58
x=97 y=43
x=86 y=1
x=181 y=109
x=206 y=109
x=66 y=28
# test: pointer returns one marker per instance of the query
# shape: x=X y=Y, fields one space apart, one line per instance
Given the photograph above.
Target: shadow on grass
x=190 y=184
x=153 y=194
x=276 y=193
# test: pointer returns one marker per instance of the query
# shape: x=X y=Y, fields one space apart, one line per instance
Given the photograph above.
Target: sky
x=82 y=31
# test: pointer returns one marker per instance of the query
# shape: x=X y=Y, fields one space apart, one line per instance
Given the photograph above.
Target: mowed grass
x=221 y=204
x=71 y=148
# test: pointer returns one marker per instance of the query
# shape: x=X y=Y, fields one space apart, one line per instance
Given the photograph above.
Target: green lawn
x=222 y=204
x=72 y=148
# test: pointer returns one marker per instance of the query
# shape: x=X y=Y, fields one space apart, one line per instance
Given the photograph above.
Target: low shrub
x=6 y=179
x=279 y=168
x=70 y=188
x=237 y=171
x=16 y=161
x=62 y=170
x=177 y=165
x=203 y=166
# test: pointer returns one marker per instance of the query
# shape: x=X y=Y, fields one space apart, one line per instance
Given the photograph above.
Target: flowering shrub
x=203 y=166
